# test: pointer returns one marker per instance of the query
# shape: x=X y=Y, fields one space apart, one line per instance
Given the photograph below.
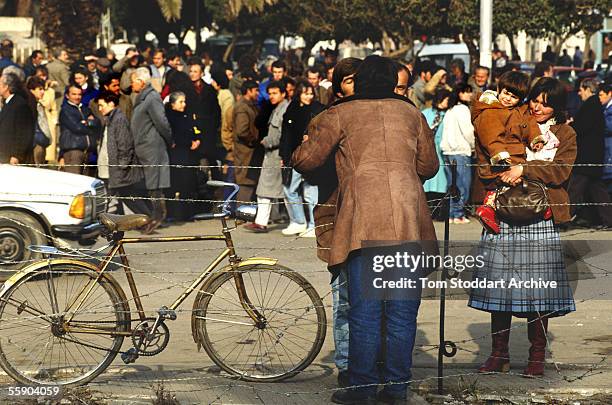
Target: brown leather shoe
x=253 y=227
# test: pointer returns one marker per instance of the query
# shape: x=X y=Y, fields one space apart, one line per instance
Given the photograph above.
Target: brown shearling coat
x=384 y=150
x=555 y=175
x=501 y=129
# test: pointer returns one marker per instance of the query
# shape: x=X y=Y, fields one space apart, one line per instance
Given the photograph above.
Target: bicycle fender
x=196 y=303
x=45 y=263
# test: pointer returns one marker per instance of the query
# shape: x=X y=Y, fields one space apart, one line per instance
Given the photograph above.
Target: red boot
x=499 y=360
x=536 y=331
x=488 y=219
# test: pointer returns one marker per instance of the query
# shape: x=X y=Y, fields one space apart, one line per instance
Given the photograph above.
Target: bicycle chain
x=91 y=345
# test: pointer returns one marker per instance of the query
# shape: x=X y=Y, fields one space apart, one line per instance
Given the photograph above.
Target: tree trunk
x=587 y=45
x=24 y=8
x=474 y=53
x=230 y=47
x=514 y=55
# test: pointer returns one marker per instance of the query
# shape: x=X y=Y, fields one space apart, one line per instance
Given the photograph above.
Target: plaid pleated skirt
x=528 y=259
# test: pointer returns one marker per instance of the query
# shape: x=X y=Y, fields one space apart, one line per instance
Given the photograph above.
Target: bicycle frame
x=118 y=248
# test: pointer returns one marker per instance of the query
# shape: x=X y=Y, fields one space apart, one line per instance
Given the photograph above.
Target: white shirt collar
x=609 y=103
x=71 y=103
x=8 y=99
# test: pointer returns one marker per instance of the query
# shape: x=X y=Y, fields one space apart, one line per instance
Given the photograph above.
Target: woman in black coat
x=183 y=181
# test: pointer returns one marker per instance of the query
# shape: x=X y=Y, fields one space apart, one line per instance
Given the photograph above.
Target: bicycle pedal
x=130 y=356
x=167 y=313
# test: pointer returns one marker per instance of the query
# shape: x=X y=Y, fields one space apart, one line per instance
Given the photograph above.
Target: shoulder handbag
x=522 y=203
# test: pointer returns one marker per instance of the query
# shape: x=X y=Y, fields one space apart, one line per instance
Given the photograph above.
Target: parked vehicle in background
x=217 y=45
x=443 y=54
x=42 y=207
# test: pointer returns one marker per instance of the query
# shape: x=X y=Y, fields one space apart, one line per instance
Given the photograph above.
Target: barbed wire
x=133 y=198
x=533 y=163
x=593 y=367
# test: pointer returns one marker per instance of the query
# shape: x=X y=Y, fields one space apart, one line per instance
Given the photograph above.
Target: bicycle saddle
x=119 y=223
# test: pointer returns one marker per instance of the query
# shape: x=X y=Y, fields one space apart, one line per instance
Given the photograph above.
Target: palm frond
x=252 y=6
x=170 y=9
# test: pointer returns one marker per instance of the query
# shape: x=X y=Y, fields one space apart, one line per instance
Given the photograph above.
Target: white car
x=43 y=207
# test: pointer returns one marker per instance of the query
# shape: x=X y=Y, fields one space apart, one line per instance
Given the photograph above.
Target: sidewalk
x=580 y=346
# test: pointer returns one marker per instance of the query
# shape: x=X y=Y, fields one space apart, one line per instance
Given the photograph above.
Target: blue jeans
x=464 y=182
x=340 y=308
x=294 y=203
x=365 y=320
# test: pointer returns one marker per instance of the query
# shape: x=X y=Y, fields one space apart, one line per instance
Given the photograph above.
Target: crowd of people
x=254 y=117
x=354 y=148
x=145 y=123
x=447 y=101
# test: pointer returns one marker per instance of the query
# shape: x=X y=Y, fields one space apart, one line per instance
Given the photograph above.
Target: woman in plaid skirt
x=530 y=252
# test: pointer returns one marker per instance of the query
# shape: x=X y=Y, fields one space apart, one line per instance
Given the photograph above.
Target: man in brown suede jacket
x=383 y=151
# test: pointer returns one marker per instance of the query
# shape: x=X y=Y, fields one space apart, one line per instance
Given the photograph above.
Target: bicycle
x=63 y=320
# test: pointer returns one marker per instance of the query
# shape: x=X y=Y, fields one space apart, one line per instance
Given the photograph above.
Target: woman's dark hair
x=459 y=88
x=344 y=68
x=219 y=76
x=376 y=74
x=554 y=95
x=85 y=73
x=516 y=83
x=439 y=96
x=34 y=82
x=108 y=97
x=301 y=87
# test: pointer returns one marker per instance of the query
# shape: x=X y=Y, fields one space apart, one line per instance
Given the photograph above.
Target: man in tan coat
x=384 y=150
x=246 y=138
x=59 y=73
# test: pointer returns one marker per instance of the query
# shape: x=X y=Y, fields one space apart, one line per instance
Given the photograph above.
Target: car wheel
x=18 y=231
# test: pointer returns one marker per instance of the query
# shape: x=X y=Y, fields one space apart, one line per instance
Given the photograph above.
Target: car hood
x=35 y=184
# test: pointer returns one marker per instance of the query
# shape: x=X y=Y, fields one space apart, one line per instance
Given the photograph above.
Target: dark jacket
x=121 y=154
x=607 y=170
x=17 y=123
x=183 y=134
x=383 y=149
x=208 y=118
x=590 y=127
x=295 y=122
x=76 y=135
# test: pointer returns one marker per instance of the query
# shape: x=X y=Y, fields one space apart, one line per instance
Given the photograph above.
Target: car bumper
x=78 y=232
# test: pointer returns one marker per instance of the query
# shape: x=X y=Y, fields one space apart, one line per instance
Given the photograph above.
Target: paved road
x=580 y=343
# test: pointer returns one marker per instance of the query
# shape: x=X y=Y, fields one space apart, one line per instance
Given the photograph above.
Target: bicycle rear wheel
x=287 y=342
x=38 y=346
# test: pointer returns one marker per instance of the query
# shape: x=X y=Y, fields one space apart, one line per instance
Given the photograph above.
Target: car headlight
x=81 y=206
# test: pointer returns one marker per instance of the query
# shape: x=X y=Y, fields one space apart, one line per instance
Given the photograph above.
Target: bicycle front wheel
x=58 y=325
x=284 y=344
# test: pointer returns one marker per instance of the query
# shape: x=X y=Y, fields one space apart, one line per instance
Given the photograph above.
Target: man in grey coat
x=152 y=137
x=270 y=181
